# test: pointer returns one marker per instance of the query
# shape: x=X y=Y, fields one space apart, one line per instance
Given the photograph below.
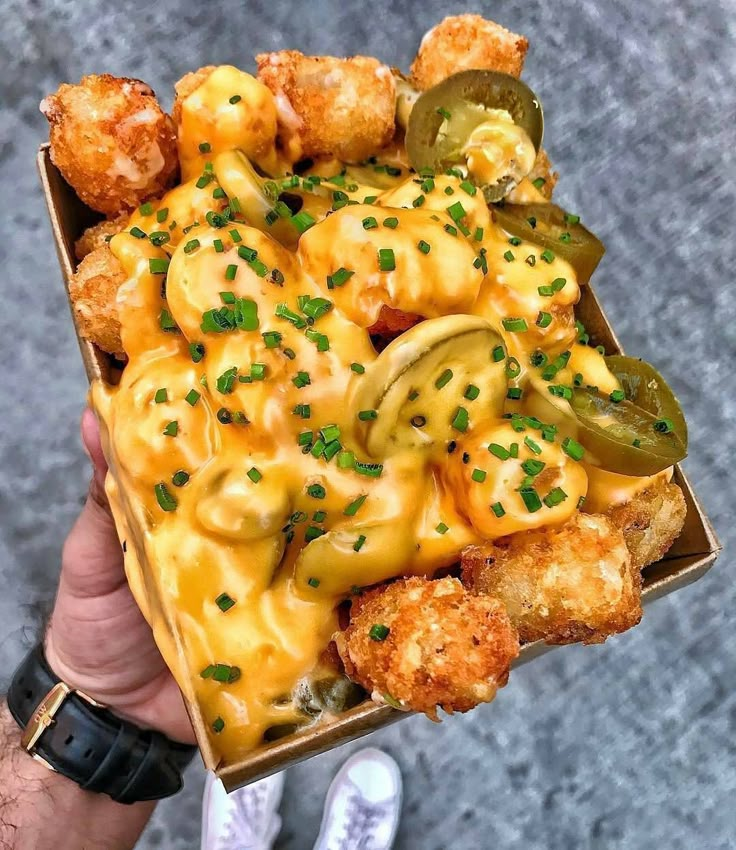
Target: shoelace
x=361 y=818
x=247 y=811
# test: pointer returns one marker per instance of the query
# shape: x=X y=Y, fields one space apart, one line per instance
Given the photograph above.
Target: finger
x=92 y=560
x=90 y=429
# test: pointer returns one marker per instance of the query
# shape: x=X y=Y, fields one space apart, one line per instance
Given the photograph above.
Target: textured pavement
x=629 y=745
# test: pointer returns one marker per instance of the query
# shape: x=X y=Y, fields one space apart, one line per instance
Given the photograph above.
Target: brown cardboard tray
x=688 y=560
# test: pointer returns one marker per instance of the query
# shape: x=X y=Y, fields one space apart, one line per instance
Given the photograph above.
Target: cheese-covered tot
x=561 y=585
x=99 y=235
x=111 y=141
x=461 y=42
x=422 y=645
x=222 y=109
x=508 y=477
x=93 y=291
x=329 y=106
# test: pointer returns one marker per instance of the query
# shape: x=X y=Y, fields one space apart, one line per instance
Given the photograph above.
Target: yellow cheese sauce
x=247 y=343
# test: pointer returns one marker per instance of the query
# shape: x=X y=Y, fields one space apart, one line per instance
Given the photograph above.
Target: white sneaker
x=247 y=819
x=363 y=804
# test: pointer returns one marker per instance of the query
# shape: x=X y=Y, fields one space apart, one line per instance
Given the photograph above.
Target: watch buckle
x=43 y=717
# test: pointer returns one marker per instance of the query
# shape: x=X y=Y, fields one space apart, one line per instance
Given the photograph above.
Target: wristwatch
x=77 y=737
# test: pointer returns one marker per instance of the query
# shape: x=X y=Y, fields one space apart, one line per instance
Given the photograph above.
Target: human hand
x=98 y=641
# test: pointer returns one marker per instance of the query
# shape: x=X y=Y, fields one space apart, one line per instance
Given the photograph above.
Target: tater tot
x=111 y=141
x=329 y=106
x=99 y=235
x=466 y=41
x=93 y=291
x=421 y=644
x=651 y=521
x=561 y=585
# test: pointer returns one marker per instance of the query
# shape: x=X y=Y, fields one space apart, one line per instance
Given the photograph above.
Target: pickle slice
x=443 y=120
x=422 y=382
x=551 y=227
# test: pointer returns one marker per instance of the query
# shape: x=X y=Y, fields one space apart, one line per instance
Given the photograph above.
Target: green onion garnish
x=158 y=266
x=531 y=499
x=165 y=500
x=514 y=325
x=224 y=602
x=443 y=379
x=161 y=395
x=367 y=415
x=471 y=392
x=391 y=222
x=358 y=545
x=572 y=448
x=378 y=631
x=498 y=509
x=303 y=221
x=499 y=451
x=180 y=478
x=192 y=397
x=172 y=429
x=386 y=260
x=555 y=496
x=355 y=506
x=460 y=420
x=478 y=475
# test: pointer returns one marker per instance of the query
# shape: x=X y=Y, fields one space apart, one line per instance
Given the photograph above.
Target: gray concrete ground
x=629 y=745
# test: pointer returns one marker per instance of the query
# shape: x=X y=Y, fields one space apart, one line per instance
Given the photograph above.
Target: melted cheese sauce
x=257 y=515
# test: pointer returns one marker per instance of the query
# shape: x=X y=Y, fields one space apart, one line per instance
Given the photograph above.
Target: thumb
x=92 y=561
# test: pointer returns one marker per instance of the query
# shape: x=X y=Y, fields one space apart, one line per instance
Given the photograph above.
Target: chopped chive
x=560 y=391
x=514 y=393
x=498 y=354
x=555 y=496
x=544 y=319
x=371 y=470
x=158 y=266
x=449 y=190
x=180 y=478
x=423 y=246
x=499 y=451
x=226 y=381
x=442 y=528
x=451 y=230
x=162 y=215
x=330 y=433
x=312 y=533
x=192 y=397
x=471 y=392
x=456 y=211
x=572 y=448
x=532 y=446
x=204 y=180
x=413 y=395
x=313 y=582
x=304 y=411
x=443 y=379
x=547 y=256
x=367 y=415
x=339 y=277
x=531 y=499
x=345 y=460
x=316 y=491
x=514 y=325
x=358 y=368
x=515 y=241
x=301 y=379
x=533 y=467
x=191 y=246
x=161 y=395
x=315 y=308
x=479 y=475
x=254 y=474
x=460 y=420
x=378 y=631
x=444 y=113
x=468 y=187
x=478 y=235
x=558 y=283
x=513 y=368
x=218 y=724
x=236 y=98
x=392 y=222
x=358 y=545
x=664 y=426
x=545 y=290
x=165 y=500
x=531 y=260
x=538 y=182
x=224 y=602
x=370 y=223
x=617 y=396
x=509 y=257
x=303 y=221
x=418 y=202
x=386 y=260
x=208 y=671
x=572 y=219
x=355 y=506
x=224 y=416
x=172 y=429
x=231 y=271
x=498 y=509
x=145 y=209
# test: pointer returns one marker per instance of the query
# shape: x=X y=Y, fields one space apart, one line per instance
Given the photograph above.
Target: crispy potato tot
x=444 y=647
x=651 y=521
x=542 y=169
x=329 y=106
x=111 y=141
x=188 y=84
x=99 y=235
x=466 y=41
x=93 y=292
x=561 y=585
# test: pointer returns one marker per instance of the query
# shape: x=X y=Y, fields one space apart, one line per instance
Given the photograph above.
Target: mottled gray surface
x=630 y=745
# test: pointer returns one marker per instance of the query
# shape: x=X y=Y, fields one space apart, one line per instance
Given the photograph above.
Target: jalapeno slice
x=555 y=229
x=445 y=118
x=643 y=385
x=640 y=435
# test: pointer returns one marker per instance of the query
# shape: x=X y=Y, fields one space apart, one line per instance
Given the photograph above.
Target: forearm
x=40 y=809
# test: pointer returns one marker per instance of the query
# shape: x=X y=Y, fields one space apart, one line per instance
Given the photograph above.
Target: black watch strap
x=89 y=744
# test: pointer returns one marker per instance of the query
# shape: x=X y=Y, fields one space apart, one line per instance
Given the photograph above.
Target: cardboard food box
x=688 y=560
